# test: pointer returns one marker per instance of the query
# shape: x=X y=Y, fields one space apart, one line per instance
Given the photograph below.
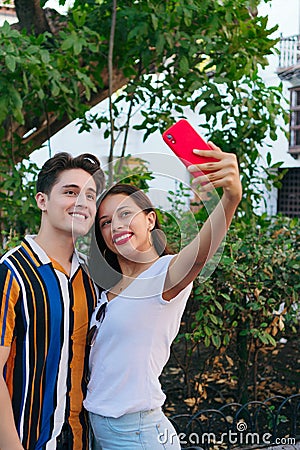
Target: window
x=294 y=148
x=288 y=202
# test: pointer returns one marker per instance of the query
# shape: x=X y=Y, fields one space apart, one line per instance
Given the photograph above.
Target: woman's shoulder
x=156 y=273
x=161 y=264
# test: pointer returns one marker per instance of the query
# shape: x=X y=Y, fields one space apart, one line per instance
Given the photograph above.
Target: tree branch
x=54 y=124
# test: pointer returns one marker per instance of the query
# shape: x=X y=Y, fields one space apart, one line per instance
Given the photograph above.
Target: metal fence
x=257 y=424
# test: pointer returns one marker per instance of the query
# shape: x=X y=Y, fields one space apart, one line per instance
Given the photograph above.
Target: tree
x=54 y=68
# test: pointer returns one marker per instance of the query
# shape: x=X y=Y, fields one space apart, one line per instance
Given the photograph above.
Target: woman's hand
x=224 y=173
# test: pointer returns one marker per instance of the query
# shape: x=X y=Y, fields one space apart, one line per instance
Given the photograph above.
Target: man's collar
x=40 y=257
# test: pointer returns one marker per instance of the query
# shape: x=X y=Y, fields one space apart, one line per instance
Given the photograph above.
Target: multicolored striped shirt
x=44 y=318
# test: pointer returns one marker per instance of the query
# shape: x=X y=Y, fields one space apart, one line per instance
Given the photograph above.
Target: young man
x=46 y=300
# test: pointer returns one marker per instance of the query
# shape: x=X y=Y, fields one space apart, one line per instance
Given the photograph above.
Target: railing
x=257 y=424
x=289 y=51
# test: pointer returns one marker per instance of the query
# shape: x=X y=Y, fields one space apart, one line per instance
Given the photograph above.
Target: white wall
x=7 y=14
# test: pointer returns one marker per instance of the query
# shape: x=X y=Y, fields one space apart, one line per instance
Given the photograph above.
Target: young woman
x=139 y=314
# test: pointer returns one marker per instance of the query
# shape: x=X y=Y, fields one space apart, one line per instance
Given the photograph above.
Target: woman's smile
x=122 y=238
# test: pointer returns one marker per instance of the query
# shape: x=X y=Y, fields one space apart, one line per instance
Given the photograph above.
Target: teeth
x=120 y=238
x=80 y=216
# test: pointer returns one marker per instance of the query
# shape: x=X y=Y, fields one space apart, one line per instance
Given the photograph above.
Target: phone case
x=182 y=138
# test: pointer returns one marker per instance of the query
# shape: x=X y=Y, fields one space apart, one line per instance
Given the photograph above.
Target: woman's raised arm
x=185 y=266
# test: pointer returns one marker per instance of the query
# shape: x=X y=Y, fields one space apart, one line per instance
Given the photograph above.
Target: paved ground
x=285 y=447
x=276 y=447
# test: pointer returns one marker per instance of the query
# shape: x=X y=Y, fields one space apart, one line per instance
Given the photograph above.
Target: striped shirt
x=44 y=317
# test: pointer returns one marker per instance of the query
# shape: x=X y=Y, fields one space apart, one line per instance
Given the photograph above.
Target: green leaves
x=10 y=62
x=19 y=213
x=269 y=255
x=75 y=42
x=44 y=69
x=257 y=277
x=206 y=56
x=248 y=302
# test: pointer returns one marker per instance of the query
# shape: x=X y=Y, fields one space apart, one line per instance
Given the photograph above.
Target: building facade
x=288 y=200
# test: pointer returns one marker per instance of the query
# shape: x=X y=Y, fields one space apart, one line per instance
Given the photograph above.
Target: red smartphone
x=182 y=138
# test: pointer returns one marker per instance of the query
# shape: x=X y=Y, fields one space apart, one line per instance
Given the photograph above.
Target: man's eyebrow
x=92 y=189
x=70 y=186
x=75 y=186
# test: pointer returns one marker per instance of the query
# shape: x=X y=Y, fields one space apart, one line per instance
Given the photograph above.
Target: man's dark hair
x=62 y=161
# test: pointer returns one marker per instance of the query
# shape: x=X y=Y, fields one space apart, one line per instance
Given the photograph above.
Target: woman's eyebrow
x=102 y=217
x=118 y=209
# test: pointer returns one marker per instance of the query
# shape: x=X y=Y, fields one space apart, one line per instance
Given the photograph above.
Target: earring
x=150 y=238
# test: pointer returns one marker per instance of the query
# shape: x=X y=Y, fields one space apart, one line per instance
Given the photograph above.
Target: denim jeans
x=146 y=430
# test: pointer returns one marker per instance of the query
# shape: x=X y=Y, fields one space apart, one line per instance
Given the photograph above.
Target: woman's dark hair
x=62 y=161
x=101 y=258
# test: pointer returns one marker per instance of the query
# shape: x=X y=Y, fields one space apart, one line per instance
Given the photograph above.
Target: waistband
x=133 y=415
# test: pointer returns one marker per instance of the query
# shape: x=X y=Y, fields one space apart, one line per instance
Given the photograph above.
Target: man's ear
x=41 y=200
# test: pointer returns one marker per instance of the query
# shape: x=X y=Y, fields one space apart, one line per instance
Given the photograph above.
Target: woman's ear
x=41 y=200
x=151 y=216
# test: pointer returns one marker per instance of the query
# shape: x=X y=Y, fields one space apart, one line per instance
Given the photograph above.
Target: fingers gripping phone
x=182 y=138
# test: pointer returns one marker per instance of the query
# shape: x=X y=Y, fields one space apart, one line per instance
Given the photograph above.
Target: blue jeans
x=146 y=430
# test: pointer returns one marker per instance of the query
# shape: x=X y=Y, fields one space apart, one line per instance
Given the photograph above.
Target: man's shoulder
x=8 y=254
x=7 y=262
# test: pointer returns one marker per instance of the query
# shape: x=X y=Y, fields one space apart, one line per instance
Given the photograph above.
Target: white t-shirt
x=133 y=345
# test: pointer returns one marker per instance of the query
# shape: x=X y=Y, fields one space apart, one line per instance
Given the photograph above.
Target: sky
x=285 y=13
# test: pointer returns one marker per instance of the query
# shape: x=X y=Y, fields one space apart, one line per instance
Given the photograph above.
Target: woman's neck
x=132 y=269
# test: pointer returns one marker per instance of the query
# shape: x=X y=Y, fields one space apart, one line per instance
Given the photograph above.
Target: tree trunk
x=31 y=16
x=242 y=351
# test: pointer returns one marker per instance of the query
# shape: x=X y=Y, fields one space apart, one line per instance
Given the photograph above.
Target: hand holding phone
x=182 y=138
